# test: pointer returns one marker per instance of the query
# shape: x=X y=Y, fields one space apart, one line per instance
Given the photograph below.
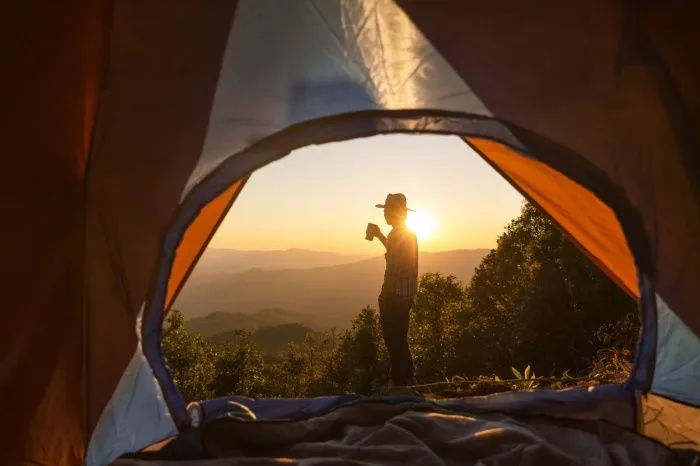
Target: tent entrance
x=561 y=186
x=556 y=180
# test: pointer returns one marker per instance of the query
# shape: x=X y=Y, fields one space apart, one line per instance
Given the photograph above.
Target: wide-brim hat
x=394 y=201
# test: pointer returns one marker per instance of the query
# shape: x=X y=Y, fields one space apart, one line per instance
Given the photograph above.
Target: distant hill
x=318 y=296
x=218 y=322
x=217 y=261
x=271 y=340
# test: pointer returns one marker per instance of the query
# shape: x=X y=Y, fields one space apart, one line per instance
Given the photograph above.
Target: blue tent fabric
x=677 y=371
x=279 y=408
x=139 y=414
x=579 y=402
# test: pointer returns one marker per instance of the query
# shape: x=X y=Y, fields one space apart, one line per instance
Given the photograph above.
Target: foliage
x=271 y=340
x=535 y=294
x=434 y=328
x=361 y=360
x=190 y=358
x=619 y=335
x=535 y=300
x=203 y=369
x=528 y=375
x=238 y=367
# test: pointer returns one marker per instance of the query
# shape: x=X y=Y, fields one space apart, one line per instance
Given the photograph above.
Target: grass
x=610 y=367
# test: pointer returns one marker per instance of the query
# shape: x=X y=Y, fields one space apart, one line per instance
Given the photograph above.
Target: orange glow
x=197 y=237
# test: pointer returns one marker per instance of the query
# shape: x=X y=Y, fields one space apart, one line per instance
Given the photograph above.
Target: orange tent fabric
x=53 y=59
x=585 y=218
x=197 y=238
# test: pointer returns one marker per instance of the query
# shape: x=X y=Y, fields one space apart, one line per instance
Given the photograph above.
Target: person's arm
x=377 y=233
x=382 y=239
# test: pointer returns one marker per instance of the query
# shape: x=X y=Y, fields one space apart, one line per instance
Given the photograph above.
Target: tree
x=362 y=359
x=238 y=367
x=307 y=369
x=535 y=295
x=190 y=357
x=434 y=330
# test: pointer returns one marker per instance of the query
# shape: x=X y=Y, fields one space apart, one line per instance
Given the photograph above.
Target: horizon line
x=429 y=250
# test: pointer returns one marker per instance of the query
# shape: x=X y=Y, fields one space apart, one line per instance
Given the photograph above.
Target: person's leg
x=402 y=319
x=387 y=320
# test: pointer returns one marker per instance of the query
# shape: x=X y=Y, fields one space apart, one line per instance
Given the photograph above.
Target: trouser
x=394 y=314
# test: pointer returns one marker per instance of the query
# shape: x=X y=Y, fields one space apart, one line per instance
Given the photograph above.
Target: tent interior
x=133 y=131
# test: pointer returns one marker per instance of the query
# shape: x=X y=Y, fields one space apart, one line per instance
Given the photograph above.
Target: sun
x=421 y=224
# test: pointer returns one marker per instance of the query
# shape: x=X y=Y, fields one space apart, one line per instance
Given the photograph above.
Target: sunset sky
x=322 y=197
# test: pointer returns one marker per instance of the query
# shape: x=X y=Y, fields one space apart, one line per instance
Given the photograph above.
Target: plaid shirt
x=401 y=275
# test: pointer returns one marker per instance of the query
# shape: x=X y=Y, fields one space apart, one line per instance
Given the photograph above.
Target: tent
x=130 y=127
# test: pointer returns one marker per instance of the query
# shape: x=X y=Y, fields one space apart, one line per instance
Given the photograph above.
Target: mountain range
x=316 y=289
x=218 y=322
x=215 y=261
x=271 y=340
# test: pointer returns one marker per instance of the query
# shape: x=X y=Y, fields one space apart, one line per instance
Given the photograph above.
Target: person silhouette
x=400 y=285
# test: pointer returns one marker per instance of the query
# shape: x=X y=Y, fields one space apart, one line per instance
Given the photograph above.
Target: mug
x=368 y=235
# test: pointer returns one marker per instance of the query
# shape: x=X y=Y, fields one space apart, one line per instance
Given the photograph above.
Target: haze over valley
x=257 y=289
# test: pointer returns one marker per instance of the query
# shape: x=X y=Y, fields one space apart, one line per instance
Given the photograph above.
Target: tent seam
x=90 y=160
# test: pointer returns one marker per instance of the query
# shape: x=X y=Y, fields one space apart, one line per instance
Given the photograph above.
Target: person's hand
x=373 y=230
